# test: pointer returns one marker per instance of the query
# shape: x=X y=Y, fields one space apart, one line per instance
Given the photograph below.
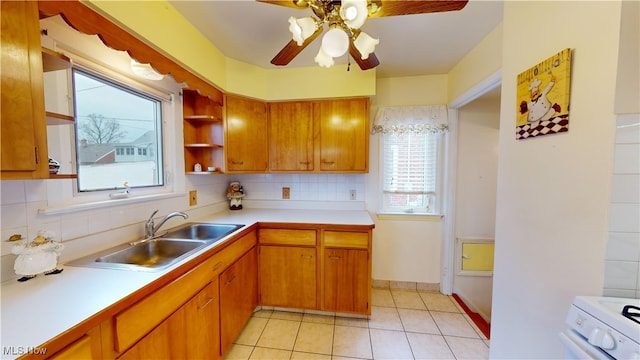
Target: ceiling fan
x=344 y=19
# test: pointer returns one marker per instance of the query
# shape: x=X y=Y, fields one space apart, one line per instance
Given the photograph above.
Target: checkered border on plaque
x=554 y=125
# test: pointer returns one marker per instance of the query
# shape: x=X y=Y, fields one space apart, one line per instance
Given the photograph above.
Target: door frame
x=448 y=234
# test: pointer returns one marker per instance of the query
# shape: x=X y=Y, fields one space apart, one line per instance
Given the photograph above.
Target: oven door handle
x=579 y=348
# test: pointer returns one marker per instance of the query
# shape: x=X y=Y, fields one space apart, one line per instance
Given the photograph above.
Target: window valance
x=427 y=119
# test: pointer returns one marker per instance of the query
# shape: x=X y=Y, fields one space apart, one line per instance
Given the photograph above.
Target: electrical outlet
x=352 y=195
x=286 y=193
x=193 y=198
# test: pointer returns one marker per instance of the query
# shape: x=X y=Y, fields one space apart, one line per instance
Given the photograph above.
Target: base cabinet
x=202 y=324
x=346 y=286
x=238 y=297
x=288 y=277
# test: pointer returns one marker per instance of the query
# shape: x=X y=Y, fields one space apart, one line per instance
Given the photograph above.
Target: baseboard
x=480 y=322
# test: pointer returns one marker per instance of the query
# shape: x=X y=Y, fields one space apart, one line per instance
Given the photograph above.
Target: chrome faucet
x=151 y=228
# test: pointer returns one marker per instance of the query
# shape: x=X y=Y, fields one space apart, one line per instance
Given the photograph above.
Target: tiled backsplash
x=622 y=260
x=88 y=231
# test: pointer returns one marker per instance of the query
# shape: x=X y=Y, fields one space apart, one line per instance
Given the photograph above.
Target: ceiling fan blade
x=366 y=64
x=295 y=4
x=409 y=7
x=292 y=49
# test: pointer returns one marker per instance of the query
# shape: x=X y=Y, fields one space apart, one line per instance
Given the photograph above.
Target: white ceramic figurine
x=39 y=256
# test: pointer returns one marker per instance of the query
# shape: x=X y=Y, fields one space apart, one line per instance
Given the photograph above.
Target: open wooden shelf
x=59 y=119
x=52 y=61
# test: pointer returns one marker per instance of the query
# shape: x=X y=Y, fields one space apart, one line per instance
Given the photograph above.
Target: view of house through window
x=118 y=135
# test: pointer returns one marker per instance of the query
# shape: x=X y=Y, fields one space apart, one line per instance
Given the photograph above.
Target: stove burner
x=631 y=312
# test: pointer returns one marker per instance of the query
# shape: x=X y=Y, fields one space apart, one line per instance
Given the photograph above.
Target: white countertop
x=37 y=310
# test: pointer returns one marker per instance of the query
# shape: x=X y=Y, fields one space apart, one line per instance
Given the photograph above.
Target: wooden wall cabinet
x=344 y=135
x=324 y=136
x=288 y=268
x=23 y=137
x=291 y=136
x=245 y=135
x=203 y=132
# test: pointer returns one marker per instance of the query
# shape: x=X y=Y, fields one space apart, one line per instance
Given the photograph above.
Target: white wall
x=477 y=173
x=553 y=191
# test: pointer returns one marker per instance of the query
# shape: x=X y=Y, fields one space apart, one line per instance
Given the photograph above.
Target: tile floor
x=404 y=324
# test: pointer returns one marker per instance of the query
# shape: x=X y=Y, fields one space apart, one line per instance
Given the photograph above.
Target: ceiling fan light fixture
x=365 y=44
x=302 y=28
x=323 y=59
x=335 y=42
x=354 y=13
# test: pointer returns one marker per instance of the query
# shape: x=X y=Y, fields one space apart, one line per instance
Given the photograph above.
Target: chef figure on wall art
x=235 y=193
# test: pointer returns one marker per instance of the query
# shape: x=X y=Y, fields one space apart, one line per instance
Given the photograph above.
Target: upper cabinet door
x=245 y=135
x=344 y=136
x=24 y=140
x=291 y=139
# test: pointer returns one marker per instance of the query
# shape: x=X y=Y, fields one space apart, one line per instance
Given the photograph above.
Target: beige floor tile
x=419 y=321
x=279 y=334
x=314 y=338
x=465 y=348
x=453 y=324
x=426 y=346
x=382 y=297
x=388 y=344
x=407 y=299
x=385 y=318
x=438 y=302
x=349 y=321
x=287 y=315
x=317 y=318
x=263 y=313
x=351 y=342
x=270 y=354
x=475 y=327
x=252 y=331
x=238 y=352
x=309 y=356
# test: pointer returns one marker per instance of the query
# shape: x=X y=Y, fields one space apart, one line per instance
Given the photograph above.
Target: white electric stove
x=602 y=328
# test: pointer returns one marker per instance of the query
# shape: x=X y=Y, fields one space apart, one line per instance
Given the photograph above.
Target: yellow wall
x=412 y=90
x=482 y=61
x=179 y=40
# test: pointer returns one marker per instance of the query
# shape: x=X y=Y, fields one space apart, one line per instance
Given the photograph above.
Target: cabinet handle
x=304 y=162
x=306 y=256
x=237 y=162
x=233 y=277
x=334 y=257
x=216 y=266
x=209 y=300
x=328 y=162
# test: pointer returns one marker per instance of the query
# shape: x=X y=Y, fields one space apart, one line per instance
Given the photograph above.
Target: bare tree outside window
x=99 y=130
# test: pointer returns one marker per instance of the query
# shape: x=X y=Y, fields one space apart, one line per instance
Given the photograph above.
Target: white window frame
x=385 y=127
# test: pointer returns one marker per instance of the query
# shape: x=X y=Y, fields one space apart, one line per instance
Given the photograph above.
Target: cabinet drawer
x=346 y=239
x=287 y=237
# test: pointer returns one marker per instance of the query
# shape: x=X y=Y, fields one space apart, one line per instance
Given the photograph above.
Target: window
x=411 y=143
x=112 y=121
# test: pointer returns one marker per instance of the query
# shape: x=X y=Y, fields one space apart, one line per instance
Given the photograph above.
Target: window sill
x=409 y=216
x=68 y=209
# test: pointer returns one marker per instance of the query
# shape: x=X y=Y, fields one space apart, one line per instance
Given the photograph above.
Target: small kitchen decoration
x=543 y=97
x=39 y=256
x=235 y=193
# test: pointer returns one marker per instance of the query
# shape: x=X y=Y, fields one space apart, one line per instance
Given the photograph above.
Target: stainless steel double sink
x=160 y=252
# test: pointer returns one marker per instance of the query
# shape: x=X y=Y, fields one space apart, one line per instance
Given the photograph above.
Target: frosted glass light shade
x=354 y=13
x=301 y=28
x=365 y=45
x=145 y=71
x=323 y=59
x=335 y=42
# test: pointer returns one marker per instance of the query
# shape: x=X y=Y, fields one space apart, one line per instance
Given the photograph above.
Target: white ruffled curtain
x=427 y=119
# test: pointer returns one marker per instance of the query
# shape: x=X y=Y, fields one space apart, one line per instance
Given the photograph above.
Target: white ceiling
x=422 y=44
